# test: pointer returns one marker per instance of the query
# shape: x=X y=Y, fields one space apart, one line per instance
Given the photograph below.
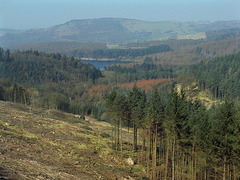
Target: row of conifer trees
x=176 y=138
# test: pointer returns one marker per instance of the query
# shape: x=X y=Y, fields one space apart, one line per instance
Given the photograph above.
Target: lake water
x=103 y=64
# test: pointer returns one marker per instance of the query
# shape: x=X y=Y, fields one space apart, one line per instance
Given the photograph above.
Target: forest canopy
x=173 y=135
x=221 y=75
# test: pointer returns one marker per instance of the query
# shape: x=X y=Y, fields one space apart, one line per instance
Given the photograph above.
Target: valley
x=167 y=102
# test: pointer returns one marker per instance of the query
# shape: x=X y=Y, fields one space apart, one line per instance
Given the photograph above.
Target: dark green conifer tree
x=137 y=102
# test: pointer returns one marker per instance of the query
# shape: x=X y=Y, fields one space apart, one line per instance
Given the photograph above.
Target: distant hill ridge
x=110 y=30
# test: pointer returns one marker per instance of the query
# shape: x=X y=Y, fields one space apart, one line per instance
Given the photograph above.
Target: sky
x=29 y=14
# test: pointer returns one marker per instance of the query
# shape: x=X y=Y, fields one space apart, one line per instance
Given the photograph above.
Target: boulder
x=130 y=161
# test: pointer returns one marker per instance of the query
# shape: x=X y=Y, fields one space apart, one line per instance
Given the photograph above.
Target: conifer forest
x=172 y=107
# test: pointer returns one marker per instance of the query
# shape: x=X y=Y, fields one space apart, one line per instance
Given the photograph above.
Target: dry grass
x=55 y=145
x=195 y=94
x=196 y=36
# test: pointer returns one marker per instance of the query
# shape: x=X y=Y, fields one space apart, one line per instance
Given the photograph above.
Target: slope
x=111 y=30
x=220 y=75
x=55 y=145
x=197 y=52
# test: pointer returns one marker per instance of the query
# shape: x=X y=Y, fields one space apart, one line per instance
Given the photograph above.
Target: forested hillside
x=219 y=75
x=146 y=70
x=176 y=138
x=171 y=136
x=180 y=137
x=35 y=67
x=194 y=53
x=59 y=82
x=119 y=54
x=223 y=34
x=112 y=31
x=49 y=80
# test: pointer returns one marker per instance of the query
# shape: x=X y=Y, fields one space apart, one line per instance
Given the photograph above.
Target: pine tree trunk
x=167 y=154
x=205 y=175
x=215 y=174
x=183 y=163
x=121 y=136
x=234 y=172
x=230 y=171
x=195 y=158
x=177 y=163
x=158 y=173
x=118 y=130
x=14 y=94
x=224 y=168
x=128 y=139
x=193 y=162
x=160 y=153
x=112 y=134
x=143 y=145
x=148 y=152
x=154 y=158
x=134 y=137
x=116 y=145
x=173 y=160
x=138 y=157
x=25 y=99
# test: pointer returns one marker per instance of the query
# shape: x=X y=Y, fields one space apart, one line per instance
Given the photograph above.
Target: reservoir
x=102 y=64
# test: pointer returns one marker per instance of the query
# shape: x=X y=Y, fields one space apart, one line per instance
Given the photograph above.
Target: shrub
x=82 y=117
x=104 y=135
x=87 y=128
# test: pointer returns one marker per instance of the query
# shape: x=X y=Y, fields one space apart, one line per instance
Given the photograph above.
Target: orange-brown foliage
x=98 y=88
x=145 y=84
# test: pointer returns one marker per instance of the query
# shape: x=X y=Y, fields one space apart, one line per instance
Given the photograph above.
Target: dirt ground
x=47 y=144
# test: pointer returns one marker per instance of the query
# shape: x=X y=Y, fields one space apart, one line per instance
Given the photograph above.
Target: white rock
x=130 y=161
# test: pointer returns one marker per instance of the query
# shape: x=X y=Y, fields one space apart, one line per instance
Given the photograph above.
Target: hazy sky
x=26 y=14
